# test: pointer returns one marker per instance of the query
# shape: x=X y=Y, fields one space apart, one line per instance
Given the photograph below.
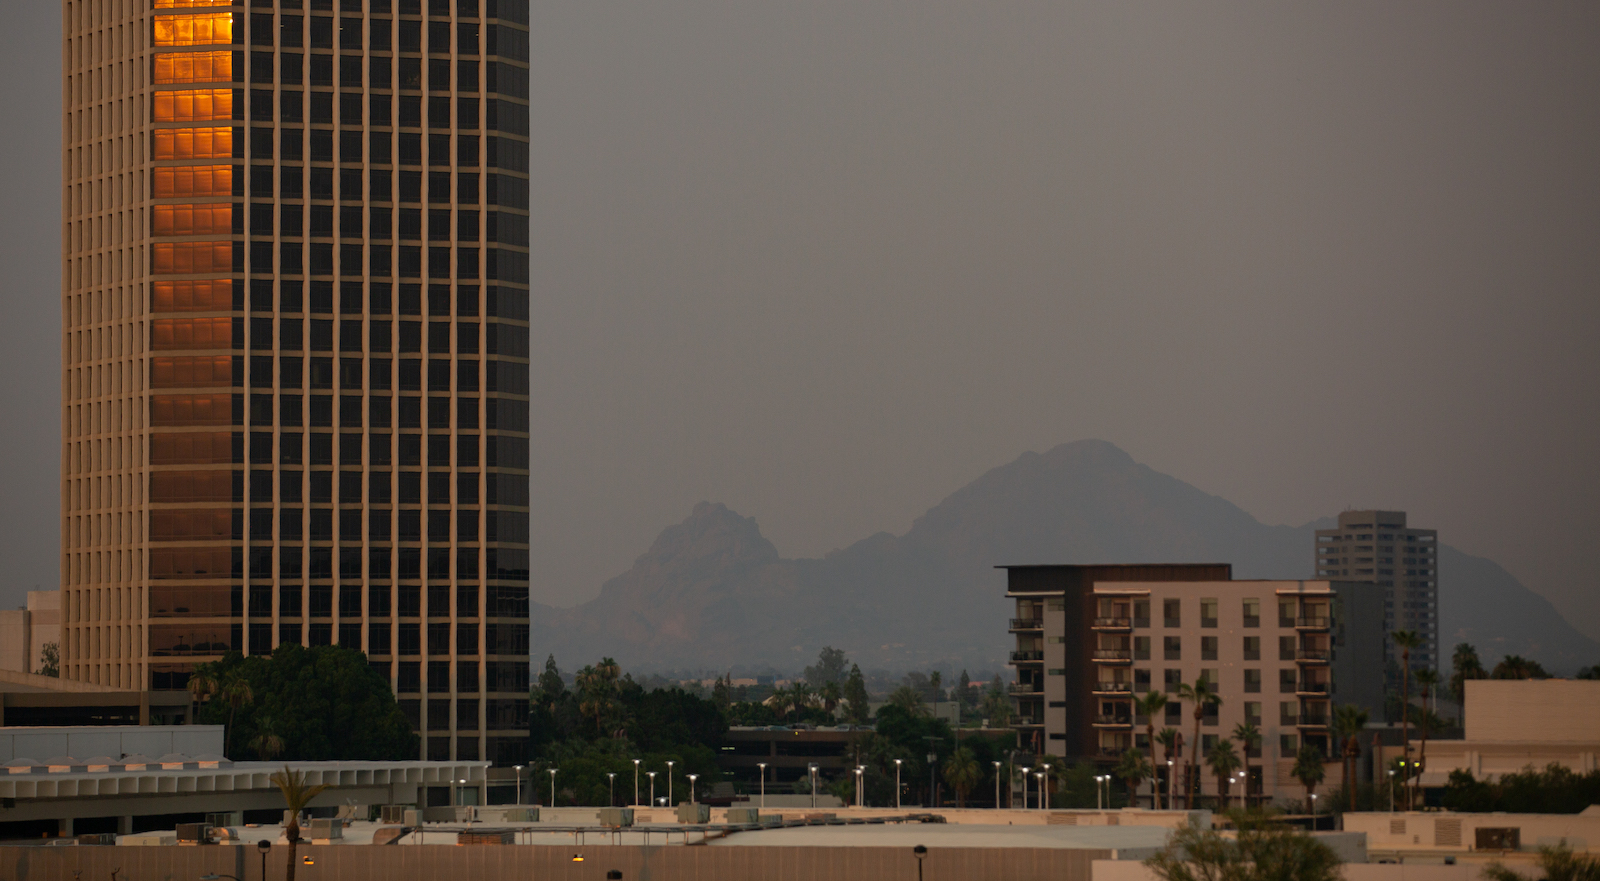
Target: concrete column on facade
x=64 y=827
x=125 y=825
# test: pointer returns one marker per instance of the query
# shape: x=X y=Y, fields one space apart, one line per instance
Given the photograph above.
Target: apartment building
x=1092 y=639
x=1377 y=546
x=294 y=353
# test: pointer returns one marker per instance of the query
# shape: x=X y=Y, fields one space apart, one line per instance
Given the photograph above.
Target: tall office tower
x=1376 y=546
x=295 y=349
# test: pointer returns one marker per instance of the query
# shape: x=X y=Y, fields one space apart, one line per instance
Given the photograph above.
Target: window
x=1172 y=648
x=1170 y=613
x=194 y=67
x=1286 y=648
x=192 y=143
x=1208 y=612
x=1174 y=713
x=1288 y=712
x=1252 y=716
x=1141 y=648
x=1286 y=679
x=192 y=105
x=1252 y=648
x=1288 y=745
x=1141 y=613
x=1286 y=612
x=1252 y=681
x=194 y=30
x=1171 y=679
x=1208 y=648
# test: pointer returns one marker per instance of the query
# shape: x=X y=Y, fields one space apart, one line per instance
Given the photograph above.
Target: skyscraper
x=295 y=304
x=1377 y=546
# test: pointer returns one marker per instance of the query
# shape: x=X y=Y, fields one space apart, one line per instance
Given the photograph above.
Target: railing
x=1313 y=722
x=1027 y=623
x=1118 y=623
x=1031 y=655
x=1025 y=688
x=1114 y=687
x=1113 y=720
x=1026 y=722
x=1319 y=622
x=1312 y=655
x=1312 y=688
x=1113 y=655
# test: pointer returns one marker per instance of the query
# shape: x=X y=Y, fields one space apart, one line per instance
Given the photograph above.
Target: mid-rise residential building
x=294 y=352
x=1377 y=546
x=26 y=631
x=1278 y=653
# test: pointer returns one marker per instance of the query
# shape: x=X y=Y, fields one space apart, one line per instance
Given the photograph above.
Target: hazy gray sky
x=826 y=262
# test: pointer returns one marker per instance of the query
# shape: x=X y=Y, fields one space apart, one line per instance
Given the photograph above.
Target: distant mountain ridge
x=713 y=593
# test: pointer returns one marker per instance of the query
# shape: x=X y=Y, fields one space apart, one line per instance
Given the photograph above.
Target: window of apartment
x=1174 y=713
x=1288 y=712
x=1056 y=605
x=1170 y=615
x=1172 y=648
x=1286 y=648
x=1171 y=679
x=1286 y=612
x=1252 y=648
x=1210 y=714
x=1208 y=648
x=1252 y=681
x=1286 y=680
x=1141 y=681
x=1288 y=745
x=1207 y=742
x=1208 y=612
x=1141 y=648
x=1252 y=612
x=1252 y=716
x=1141 y=613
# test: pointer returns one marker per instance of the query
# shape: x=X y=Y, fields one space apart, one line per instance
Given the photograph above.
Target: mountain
x=712 y=593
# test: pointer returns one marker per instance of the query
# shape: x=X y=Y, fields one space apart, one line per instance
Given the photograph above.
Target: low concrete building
x=1435 y=836
x=1515 y=724
x=24 y=632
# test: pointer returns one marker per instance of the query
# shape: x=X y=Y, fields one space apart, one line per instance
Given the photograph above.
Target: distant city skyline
x=824 y=263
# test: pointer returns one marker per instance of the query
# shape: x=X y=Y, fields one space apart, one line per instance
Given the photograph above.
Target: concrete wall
x=1111 y=870
x=516 y=863
x=115 y=741
x=1447 y=832
x=23 y=632
x=1533 y=711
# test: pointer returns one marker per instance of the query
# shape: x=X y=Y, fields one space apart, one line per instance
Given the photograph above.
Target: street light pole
x=553 y=786
x=669 y=785
x=613 y=794
x=1044 y=792
x=635 y=781
x=897 y=784
x=1025 y=770
x=652 y=776
x=692 y=779
x=519 y=785
x=859 y=802
x=1040 y=776
x=996 y=786
x=263 y=846
x=1169 y=784
x=812 y=771
x=1391 y=790
x=763 y=767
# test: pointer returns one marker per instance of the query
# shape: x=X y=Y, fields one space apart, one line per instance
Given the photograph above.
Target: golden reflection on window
x=193 y=105
x=193 y=143
x=191 y=258
x=191 y=524
x=167 y=334
x=186 y=640
x=173 y=601
x=206 y=371
x=193 y=67
x=189 y=563
x=191 y=220
x=185 y=4
x=214 y=28
x=179 y=410
x=191 y=486
x=214 y=295
x=192 y=180
x=192 y=448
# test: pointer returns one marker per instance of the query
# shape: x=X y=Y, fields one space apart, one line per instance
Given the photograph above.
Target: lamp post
x=553 y=787
x=811 y=770
x=897 y=784
x=763 y=767
x=1039 y=775
x=1044 y=794
x=1313 y=812
x=996 y=787
x=652 y=776
x=1025 y=770
x=1391 y=790
x=692 y=779
x=858 y=786
x=263 y=846
x=519 y=784
x=1169 y=784
x=612 y=796
x=669 y=783
x=635 y=781
x=1098 y=803
x=920 y=852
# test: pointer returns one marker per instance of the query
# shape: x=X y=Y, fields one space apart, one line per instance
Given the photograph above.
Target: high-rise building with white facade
x=1377 y=546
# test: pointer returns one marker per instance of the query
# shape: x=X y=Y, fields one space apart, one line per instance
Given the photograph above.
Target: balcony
x=1113 y=688
x=1313 y=622
x=1025 y=688
x=1113 y=624
x=1313 y=656
x=1320 y=688
x=1027 y=624
x=1114 y=656
x=1030 y=656
x=1113 y=721
x=1313 y=720
x=1027 y=722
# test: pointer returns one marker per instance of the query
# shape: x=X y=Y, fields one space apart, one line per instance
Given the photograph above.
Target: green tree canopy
x=1263 y=850
x=830 y=667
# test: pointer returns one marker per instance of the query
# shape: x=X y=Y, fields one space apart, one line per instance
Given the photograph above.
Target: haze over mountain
x=713 y=593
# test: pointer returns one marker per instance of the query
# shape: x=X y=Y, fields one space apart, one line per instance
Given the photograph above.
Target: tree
x=1308 y=768
x=830 y=693
x=997 y=704
x=597 y=696
x=934 y=679
x=1465 y=665
x=908 y=699
x=1171 y=741
x=781 y=700
x=1223 y=761
x=267 y=744
x=1203 y=695
x=50 y=659
x=1559 y=864
x=1263 y=850
x=202 y=685
x=1428 y=681
x=961 y=771
x=1133 y=768
x=1405 y=641
x=1152 y=703
x=1517 y=667
x=236 y=692
x=964 y=692
x=297 y=793
x=551 y=686
x=830 y=667
x=1249 y=737
x=1349 y=721
x=1583 y=672
x=855 y=697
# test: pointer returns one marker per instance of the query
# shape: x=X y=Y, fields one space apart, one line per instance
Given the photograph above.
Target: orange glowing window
x=167 y=334
x=184 y=524
x=193 y=67
x=189 y=448
x=191 y=296
x=188 y=4
x=190 y=258
x=191 y=486
x=203 y=371
x=192 y=180
x=209 y=29
x=191 y=409
x=193 y=105
x=191 y=220
x=193 y=143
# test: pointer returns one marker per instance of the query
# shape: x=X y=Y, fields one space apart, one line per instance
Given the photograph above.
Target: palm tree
x=1405 y=641
x=1223 y=761
x=779 y=702
x=962 y=773
x=202 y=685
x=831 y=693
x=934 y=680
x=236 y=691
x=267 y=744
x=1308 y=768
x=1171 y=747
x=1249 y=737
x=298 y=794
x=1202 y=694
x=1428 y=681
x=1348 y=722
x=1152 y=703
x=1132 y=768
